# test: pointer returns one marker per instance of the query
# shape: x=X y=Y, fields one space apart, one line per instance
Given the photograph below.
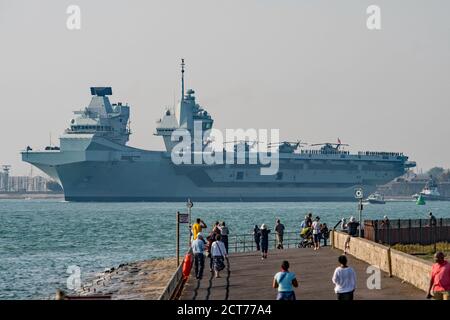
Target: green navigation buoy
x=420 y=201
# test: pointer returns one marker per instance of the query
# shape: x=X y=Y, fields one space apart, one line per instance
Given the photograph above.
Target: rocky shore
x=142 y=280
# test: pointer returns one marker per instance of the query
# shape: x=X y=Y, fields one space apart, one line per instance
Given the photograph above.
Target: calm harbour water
x=39 y=239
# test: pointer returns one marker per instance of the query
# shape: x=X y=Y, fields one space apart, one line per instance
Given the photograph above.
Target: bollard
x=60 y=295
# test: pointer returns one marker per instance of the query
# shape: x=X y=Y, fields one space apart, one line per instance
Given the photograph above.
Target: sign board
x=359 y=193
x=183 y=218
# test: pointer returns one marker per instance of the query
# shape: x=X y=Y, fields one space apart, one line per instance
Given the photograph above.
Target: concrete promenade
x=248 y=277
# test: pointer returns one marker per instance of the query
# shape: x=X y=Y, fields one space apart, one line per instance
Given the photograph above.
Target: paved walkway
x=248 y=277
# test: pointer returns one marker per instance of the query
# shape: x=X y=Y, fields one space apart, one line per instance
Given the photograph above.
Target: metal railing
x=408 y=231
x=175 y=283
x=246 y=242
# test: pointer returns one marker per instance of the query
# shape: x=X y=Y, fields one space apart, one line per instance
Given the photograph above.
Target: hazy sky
x=310 y=68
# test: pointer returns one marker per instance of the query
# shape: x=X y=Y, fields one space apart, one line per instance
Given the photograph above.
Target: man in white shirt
x=316 y=233
x=344 y=279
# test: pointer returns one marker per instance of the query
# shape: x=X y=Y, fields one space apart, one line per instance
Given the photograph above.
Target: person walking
x=385 y=222
x=257 y=237
x=198 y=226
x=303 y=224
x=352 y=227
x=344 y=279
x=264 y=241
x=219 y=254
x=325 y=234
x=224 y=232
x=279 y=232
x=308 y=220
x=440 y=278
x=198 y=247
x=432 y=221
x=216 y=229
x=343 y=225
x=347 y=244
x=212 y=237
x=285 y=282
x=316 y=233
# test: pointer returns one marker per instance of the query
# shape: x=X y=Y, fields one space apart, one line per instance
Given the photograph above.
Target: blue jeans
x=199 y=262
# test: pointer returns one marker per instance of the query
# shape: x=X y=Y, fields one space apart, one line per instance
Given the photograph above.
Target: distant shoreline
x=31 y=195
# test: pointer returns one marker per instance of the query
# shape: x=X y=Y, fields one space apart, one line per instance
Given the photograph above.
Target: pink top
x=440 y=275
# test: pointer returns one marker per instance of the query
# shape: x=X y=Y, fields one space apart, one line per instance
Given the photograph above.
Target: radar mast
x=182 y=79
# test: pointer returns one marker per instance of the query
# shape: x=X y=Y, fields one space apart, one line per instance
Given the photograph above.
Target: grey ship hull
x=104 y=171
x=93 y=162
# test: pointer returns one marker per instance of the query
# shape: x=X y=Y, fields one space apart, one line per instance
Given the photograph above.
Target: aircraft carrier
x=94 y=163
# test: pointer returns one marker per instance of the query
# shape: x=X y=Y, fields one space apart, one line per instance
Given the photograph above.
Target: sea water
x=41 y=239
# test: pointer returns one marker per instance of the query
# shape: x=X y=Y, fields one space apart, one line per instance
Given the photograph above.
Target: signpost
x=359 y=194
x=189 y=205
x=181 y=218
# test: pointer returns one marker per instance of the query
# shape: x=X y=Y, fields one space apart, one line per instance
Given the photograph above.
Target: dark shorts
x=289 y=295
x=317 y=237
x=345 y=296
x=264 y=246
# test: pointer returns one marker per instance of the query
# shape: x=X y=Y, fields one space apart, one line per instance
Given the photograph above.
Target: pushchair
x=306 y=236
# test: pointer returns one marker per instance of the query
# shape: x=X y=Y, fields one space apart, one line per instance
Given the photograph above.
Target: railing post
x=244 y=242
x=409 y=231
x=420 y=231
x=235 y=244
x=389 y=233
x=434 y=237
x=376 y=236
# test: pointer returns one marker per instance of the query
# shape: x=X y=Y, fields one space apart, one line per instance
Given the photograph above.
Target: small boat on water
x=429 y=192
x=376 y=198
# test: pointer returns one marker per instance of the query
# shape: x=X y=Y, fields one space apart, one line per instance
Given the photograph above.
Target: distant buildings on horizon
x=26 y=183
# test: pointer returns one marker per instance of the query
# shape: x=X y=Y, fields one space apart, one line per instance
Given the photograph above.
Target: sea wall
x=411 y=269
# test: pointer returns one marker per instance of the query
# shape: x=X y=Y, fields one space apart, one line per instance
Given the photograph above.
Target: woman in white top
x=344 y=279
x=219 y=253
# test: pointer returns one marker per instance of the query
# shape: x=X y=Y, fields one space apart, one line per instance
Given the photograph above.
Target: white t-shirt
x=316 y=227
x=218 y=249
x=344 y=280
